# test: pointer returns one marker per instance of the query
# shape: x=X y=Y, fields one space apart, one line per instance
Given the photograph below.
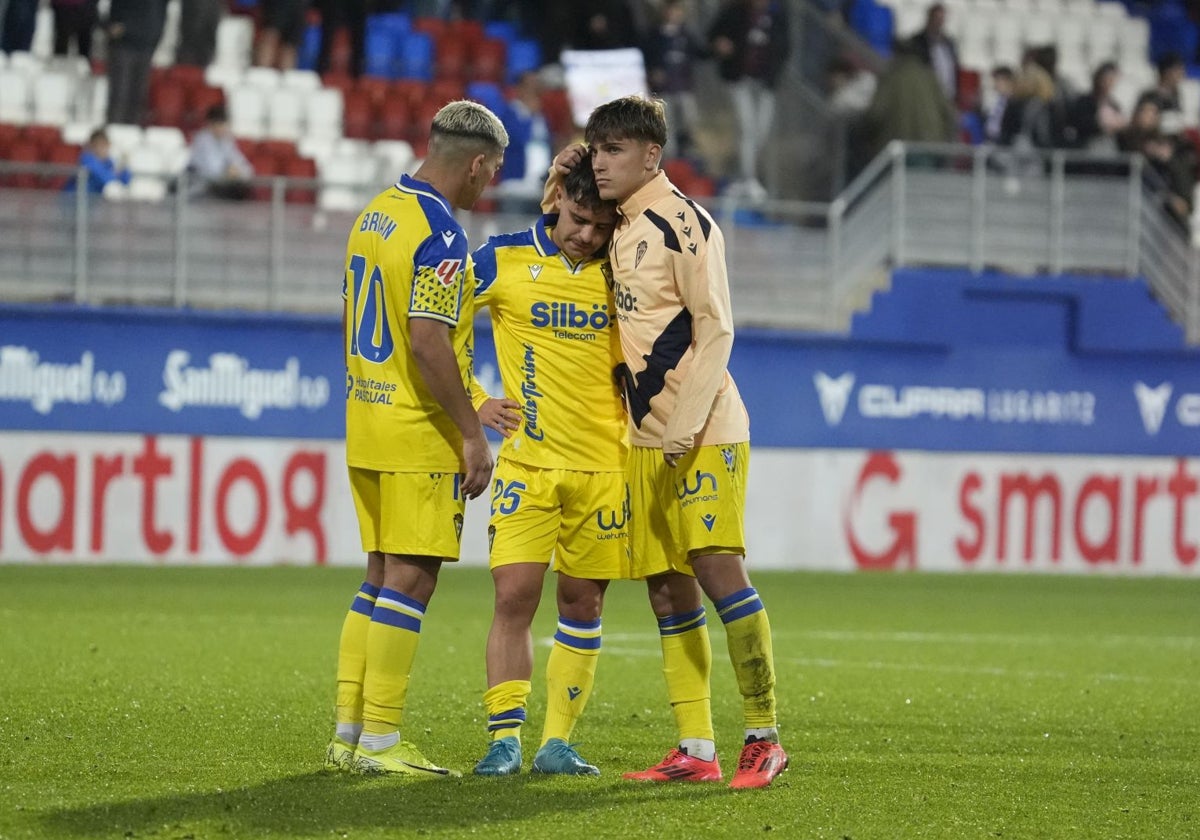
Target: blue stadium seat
x=310 y=47
x=489 y=94
x=523 y=55
x=501 y=30
x=416 y=57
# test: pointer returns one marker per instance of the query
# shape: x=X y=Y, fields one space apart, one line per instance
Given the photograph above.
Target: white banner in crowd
x=594 y=77
x=177 y=499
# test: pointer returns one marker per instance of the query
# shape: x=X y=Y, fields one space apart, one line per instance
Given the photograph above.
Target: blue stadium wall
x=966 y=423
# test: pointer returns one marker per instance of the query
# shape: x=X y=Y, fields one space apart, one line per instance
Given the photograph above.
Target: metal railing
x=798 y=265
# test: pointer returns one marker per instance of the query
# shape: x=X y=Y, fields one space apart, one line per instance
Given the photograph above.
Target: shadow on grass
x=320 y=803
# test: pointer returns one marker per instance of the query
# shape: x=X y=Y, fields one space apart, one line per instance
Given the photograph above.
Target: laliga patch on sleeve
x=447 y=271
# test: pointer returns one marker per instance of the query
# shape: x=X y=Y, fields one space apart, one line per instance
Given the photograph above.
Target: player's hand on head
x=478 y=457
x=500 y=415
x=568 y=158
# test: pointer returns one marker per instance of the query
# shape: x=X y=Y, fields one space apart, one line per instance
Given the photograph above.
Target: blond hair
x=464 y=127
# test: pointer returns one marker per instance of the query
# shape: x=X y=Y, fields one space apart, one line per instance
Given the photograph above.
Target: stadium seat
x=434 y=27
x=9 y=134
x=264 y=78
x=24 y=62
x=22 y=151
x=124 y=138
x=452 y=59
x=324 y=118
x=358 y=117
x=168 y=105
x=14 y=96
x=300 y=80
x=44 y=137
x=341 y=180
x=381 y=52
x=265 y=165
x=445 y=90
x=223 y=76
x=488 y=94
x=394 y=157
x=146 y=188
x=490 y=61
x=235 y=37
x=339 y=81
x=199 y=102
x=63 y=154
x=53 y=98
x=185 y=75
x=374 y=89
x=395 y=120
x=285 y=119
x=248 y=112
x=299 y=167
x=410 y=91
x=556 y=108
x=416 y=57
x=523 y=55
x=315 y=148
x=282 y=150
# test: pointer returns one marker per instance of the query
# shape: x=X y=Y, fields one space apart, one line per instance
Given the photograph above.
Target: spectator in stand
x=105 y=176
x=1003 y=81
x=938 y=50
x=1171 y=72
x=18 y=19
x=909 y=103
x=74 y=20
x=851 y=86
x=1096 y=116
x=750 y=41
x=217 y=165
x=603 y=25
x=1028 y=119
x=283 y=27
x=134 y=29
x=528 y=156
x=198 y=20
x=1173 y=165
x=335 y=14
x=670 y=51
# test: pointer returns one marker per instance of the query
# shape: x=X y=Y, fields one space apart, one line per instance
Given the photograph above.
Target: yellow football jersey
x=406 y=258
x=557 y=346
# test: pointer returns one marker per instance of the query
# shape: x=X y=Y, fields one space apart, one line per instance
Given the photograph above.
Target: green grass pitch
x=197 y=702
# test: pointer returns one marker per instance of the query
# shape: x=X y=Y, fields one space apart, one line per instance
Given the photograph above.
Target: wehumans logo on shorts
x=689 y=494
x=606 y=520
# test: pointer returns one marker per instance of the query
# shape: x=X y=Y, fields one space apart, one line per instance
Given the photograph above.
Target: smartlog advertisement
x=136 y=436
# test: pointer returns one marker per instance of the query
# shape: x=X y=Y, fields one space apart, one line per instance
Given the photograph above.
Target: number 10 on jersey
x=370 y=336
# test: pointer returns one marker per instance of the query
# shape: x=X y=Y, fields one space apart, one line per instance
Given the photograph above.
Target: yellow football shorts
x=409 y=513
x=578 y=518
x=697 y=507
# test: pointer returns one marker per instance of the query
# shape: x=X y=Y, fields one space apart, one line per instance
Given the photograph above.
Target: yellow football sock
x=505 y=707
x=748 y=634
x=352 y=655
x=687 y=665
x=391 y=648
x=570 y=674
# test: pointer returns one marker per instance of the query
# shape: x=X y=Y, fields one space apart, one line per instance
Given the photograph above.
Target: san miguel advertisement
x=133 y=436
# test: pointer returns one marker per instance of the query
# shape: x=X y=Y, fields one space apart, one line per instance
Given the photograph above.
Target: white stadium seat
x=53 y=98
x=394 y=156
x=285 y=119
x=124 y=138
x=265 y=78
x=14 y=97
x=166 y=138
x=235 y=37
x=225 y=76
x=77 y=133
x=301 y=80
x=324 y=118
x=247 y=112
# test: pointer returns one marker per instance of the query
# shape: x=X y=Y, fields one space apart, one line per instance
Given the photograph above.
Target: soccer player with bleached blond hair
x=689 y=434
x=559 y=491
x=415 y=448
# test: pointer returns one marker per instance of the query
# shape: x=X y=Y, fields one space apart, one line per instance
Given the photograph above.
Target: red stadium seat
x=395 y=120
x=247 y=146
x=199 y=100
x=489 y=61
x=342 y=81
x=451 y=59
x=44 y=137
x=557 y=110
x=969 y=85
x=282 y=150
x=373 y=89
x=358 y=118
x=299 y=167
x=446 y=90
x=431 y=26
x=9 y=134
x=265 y=165
x=168 y=106
x=64 y=154
x=23 y=151
x=186 y=75
x=410 y=91
x=466 y=31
